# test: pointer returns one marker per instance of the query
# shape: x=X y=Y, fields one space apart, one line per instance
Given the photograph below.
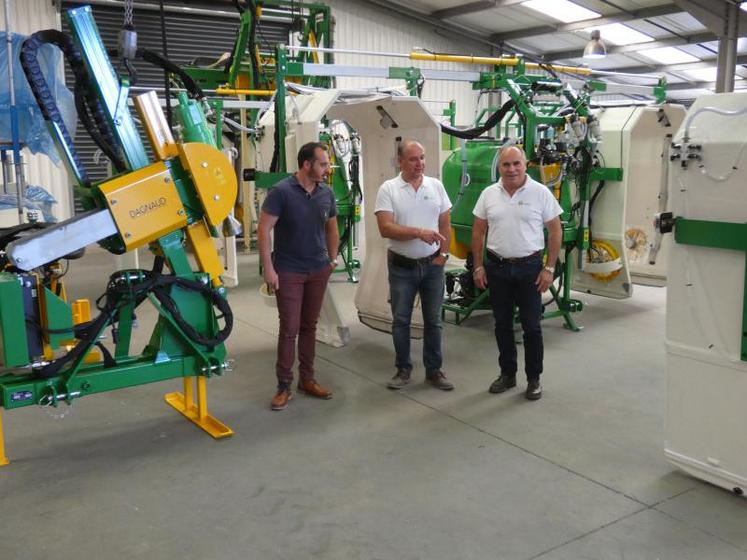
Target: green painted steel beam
x=717 y=235
x=19 y=391
x=606 y=174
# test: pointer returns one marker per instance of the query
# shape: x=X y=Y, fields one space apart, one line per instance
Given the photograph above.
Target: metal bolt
x=181 y=212
x=128 y=235
x=204 y=164
x=216 y=197
x=113 y=201
x=167 y=179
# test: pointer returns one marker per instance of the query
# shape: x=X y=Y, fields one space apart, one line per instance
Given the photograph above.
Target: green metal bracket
x=411 y=75
x=717 y=235
x=606 y=174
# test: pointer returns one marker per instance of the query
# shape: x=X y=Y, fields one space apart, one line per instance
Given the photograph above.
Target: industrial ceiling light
x=595 y=47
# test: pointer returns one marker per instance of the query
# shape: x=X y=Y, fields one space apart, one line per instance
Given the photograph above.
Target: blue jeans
x=404 y=284
x=513 y=284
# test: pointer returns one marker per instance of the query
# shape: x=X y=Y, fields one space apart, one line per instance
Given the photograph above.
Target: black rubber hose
x=472 y=133
x=156 y=59
x=96 y=136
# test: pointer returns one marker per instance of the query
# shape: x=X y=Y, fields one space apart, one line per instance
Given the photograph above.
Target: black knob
x=664 y=222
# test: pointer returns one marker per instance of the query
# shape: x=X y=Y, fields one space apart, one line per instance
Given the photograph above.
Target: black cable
x=134 y=291
x=472 y=133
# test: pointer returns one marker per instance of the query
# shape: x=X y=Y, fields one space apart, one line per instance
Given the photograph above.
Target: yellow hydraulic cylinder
x=465 y=59
x=157 y=129
x=234 y=91
x=495 y=61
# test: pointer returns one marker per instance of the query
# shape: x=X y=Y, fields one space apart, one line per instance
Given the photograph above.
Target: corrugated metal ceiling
x=491 y=19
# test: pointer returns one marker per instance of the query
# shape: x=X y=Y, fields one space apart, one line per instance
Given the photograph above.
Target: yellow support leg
x=3 y=459
x=198 y=413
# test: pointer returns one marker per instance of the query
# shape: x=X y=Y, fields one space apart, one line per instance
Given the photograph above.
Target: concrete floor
x=374 y=474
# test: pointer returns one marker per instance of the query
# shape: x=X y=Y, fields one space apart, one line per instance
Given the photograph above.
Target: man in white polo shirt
x=514 y=212
x=412 y=211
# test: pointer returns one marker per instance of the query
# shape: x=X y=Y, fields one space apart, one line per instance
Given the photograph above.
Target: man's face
x=512 y=167
x=412 y=162
x=319 y=169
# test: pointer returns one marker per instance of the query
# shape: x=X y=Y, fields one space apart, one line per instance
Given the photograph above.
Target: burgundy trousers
x=299 y=300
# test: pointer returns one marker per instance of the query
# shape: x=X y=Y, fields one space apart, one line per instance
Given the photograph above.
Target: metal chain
x=128 y=13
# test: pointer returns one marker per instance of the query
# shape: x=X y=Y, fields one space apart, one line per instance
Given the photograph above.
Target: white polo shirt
x=412 y=208
x=516 y=223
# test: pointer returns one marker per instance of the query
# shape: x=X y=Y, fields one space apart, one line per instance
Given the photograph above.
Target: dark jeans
x=404 y=284
x=513 y=284
x=299 y=300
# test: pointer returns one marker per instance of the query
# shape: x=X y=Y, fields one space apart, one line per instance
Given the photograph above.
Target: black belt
x=491 y=256
x=406 y=262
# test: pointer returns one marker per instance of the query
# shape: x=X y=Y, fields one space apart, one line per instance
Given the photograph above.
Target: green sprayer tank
x=466 y=173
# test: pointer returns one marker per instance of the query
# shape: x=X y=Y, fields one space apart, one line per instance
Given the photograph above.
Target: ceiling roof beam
x=709 y=62
x=695 y=85
x=712 y=14
x=430 y=20
x=464 y=9
x=643 y=13
x=619 y=49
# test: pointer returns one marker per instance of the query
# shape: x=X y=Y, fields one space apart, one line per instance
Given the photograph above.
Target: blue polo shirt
x=300 y=243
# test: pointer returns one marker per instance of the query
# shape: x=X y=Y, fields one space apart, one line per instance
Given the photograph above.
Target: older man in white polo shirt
x=412 y=211
x=514 y=212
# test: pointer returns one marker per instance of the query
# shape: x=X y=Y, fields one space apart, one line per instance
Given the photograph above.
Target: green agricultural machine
x=252 y=73
x=553 y=125
x=51 y=350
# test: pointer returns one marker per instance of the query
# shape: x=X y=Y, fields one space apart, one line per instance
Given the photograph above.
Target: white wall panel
x=365 y=27
x=28 y=16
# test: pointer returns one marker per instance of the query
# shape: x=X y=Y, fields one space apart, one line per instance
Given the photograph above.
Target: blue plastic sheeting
x=36 y=198
x=33 y=131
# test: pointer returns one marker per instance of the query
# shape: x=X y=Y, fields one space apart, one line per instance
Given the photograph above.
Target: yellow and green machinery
x=252 y=73
x=560 y=137
x=51 y=349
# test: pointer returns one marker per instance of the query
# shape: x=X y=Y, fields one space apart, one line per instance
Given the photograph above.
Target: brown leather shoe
x=312 y=388
x=281 y=398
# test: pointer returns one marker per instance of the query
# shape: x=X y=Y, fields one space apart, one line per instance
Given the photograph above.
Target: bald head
x=406 y=144
x=512 y=166
x=411 y=160
x=512 y=152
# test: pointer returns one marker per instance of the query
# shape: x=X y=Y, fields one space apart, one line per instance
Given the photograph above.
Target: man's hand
x=430 y=236
x=544 y=280
x=271 y=278
x=439 y=260
x=333 y=264
x=481 y=280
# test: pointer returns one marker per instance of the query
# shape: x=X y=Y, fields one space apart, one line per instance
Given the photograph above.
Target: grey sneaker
x=534 y=391
x=503 y=383
x=400 y=379
x=439 y=381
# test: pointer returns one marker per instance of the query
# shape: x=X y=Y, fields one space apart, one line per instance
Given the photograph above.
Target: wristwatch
x=550 y=269
x=445 y=256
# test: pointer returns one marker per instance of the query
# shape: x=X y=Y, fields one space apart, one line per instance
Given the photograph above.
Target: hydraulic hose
x=472 y=133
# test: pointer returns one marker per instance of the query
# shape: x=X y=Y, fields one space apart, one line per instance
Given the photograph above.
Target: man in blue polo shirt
x=301 y=210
